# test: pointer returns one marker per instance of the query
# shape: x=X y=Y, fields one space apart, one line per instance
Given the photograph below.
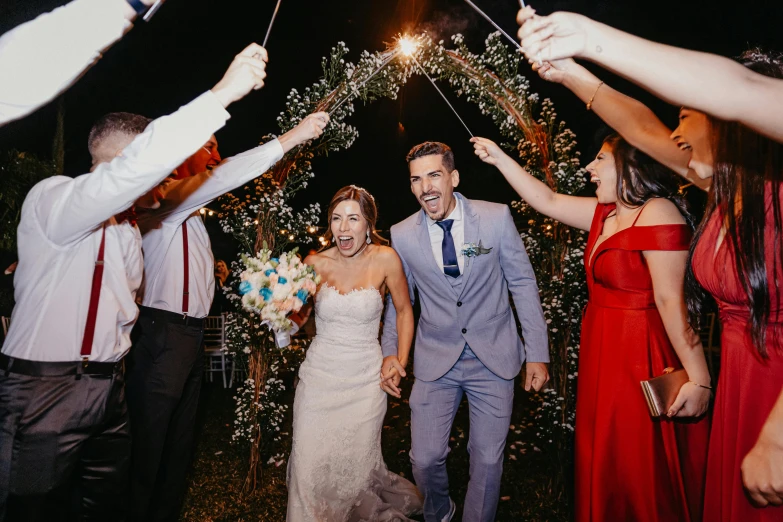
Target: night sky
x=188 y=45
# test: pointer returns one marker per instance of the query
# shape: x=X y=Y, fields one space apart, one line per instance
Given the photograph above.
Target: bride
x=336 y=472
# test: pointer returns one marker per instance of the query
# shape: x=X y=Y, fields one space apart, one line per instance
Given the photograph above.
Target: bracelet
x=590 y=103
x=701 y=385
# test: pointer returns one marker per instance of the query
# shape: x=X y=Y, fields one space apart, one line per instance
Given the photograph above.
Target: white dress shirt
x=162 y=232
x=60 y=233
x=43 y=57
x=457 y=233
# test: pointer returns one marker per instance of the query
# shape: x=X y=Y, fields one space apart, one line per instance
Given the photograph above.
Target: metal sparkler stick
x=376 y=71
x=442 y=95
x=522 y=4
x=272 y=21
x=488 y=19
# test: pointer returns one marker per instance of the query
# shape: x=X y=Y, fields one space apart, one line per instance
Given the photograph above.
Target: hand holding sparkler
x=246 y=73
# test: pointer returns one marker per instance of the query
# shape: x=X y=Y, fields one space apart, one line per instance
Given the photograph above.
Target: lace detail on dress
x=336 y=472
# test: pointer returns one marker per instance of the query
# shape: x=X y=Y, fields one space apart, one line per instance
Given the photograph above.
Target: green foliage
x=19 y=172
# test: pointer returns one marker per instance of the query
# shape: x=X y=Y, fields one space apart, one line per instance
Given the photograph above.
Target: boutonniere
x=473 y=250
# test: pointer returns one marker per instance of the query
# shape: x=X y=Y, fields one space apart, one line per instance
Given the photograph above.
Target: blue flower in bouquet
x=302 y=295
x=282 y=280
x=270 y=272
x=266 y=293
x=275 y=260
x=245 y=287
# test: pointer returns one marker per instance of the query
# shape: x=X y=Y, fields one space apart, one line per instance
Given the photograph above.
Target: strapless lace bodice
x=353 y=318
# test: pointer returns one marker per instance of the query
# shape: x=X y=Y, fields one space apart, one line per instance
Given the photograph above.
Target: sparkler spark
x=407 y=45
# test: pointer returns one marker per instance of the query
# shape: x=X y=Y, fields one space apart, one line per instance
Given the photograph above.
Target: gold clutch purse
x=661 y=392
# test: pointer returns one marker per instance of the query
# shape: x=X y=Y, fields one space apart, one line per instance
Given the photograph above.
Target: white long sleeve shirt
x=162 y=232
x=60 y=233
x=41 y=58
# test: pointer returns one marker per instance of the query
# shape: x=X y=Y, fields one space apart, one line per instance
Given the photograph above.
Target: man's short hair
x=116 y=123
x=433 y=148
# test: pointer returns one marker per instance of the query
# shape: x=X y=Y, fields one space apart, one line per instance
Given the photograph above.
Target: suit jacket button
x=459 y=303
x=464 y=330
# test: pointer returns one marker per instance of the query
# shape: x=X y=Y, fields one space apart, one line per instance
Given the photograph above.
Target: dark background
x=186 y=47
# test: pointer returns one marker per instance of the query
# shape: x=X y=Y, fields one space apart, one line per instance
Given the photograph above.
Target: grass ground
x=215 y=485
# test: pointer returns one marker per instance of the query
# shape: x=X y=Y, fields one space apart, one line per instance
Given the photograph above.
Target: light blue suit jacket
x=479 y=312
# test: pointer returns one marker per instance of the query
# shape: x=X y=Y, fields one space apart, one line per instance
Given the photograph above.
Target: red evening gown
x=748 y=385
x=629 y=466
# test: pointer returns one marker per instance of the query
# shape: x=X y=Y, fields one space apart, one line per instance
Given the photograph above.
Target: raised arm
x=45 y=56
x=181 y=198
x=632 y=120
x=701 y=81
x=69 y=210
x=574 y=211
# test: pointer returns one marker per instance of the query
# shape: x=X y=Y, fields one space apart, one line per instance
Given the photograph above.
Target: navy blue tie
x=450 y=266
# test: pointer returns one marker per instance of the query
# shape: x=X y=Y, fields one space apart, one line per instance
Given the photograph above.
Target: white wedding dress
x=336 y=471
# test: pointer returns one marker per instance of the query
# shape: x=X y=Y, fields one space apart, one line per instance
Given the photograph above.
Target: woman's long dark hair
x=746 y=167
x=640 y=178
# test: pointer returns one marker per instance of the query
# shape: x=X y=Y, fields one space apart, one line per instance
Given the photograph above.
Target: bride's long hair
x=366 y=205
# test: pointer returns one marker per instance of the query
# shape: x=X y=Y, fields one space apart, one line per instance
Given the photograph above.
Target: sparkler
x=405 y=46
x=522 y=4
x=441 y=94
x=272 y=21
x=488 y=19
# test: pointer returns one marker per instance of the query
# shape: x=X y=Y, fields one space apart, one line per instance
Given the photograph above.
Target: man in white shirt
x=166 y=363
x=63 y=417
x=41 y=58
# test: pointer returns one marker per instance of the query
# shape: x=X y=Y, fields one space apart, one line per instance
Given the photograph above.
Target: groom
x=464 y=257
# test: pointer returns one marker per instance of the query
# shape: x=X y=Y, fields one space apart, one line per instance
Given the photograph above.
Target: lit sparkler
x=406 y=46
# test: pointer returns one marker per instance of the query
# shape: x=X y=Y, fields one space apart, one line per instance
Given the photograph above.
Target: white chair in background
x=214 y=342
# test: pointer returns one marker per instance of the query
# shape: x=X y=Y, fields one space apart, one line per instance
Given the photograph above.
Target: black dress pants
x=64 y=444
x=165 y=369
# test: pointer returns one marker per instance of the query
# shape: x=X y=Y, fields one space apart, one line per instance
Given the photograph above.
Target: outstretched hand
x=392 y=372
x=488 y=151
x=311 y=127
x=246 y=73
x=536 y=376
x=548 y=38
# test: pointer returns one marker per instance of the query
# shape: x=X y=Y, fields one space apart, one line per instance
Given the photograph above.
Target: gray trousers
x=433 y=407
x=64 y=447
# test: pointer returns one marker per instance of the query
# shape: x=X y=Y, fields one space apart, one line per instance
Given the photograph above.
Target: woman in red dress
x=746 y=443
x=630 y=467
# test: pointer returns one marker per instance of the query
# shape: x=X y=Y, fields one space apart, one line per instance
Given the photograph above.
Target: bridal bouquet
x=275 y=287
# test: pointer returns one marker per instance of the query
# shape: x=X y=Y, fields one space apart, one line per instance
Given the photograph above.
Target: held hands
x=536 y=376
x=392 y=372
x=488 y=151
x=547 y=38
x=311 y=127
x=692 y=401
x=762 y=469
x=246 y=73
x=556 y=71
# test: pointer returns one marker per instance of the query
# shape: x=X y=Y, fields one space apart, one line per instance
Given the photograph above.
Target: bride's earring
x=368 y=237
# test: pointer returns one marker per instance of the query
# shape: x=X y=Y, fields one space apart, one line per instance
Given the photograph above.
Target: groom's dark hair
x=433 y=148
